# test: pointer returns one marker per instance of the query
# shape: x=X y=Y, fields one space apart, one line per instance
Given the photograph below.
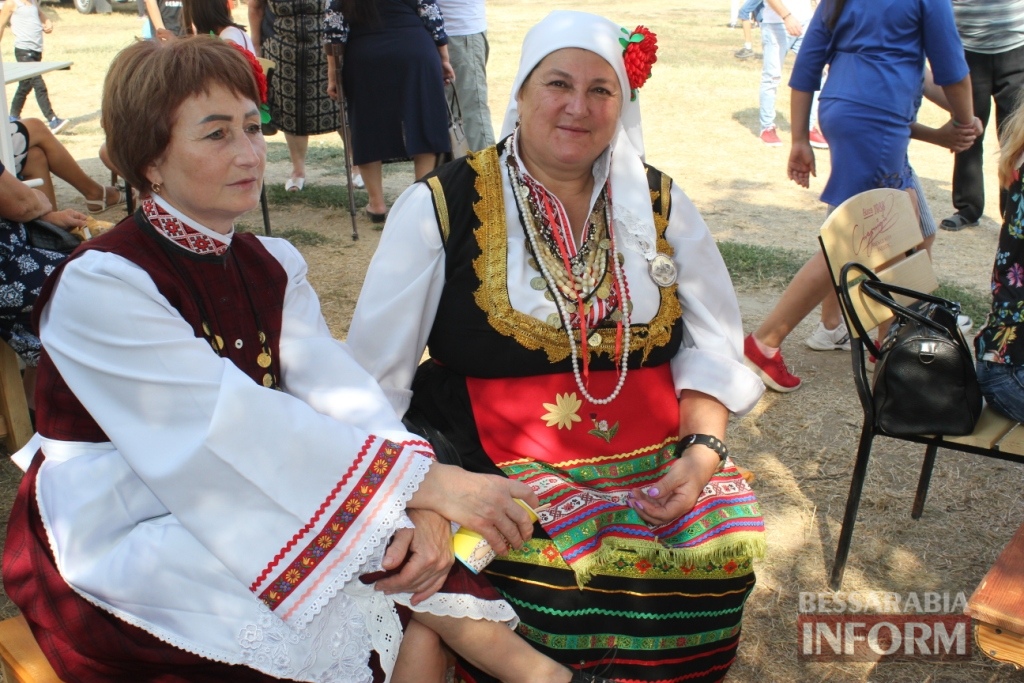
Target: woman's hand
x=480 y=502
x=447 y=72
x=801 y=163
x=956 y=138
x=66 y=218
x=426 y=552
x=164 y=36
x=676 y=493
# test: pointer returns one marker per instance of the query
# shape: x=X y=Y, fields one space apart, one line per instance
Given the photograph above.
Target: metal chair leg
x=860 y=468
x=922 y=483
x=266 y=210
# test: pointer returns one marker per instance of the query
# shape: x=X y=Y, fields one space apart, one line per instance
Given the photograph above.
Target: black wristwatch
x=712 y=442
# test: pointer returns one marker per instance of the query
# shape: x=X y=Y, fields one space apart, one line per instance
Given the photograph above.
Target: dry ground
x=700 y=111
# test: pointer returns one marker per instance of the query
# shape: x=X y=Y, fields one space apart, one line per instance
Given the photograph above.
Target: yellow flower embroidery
x=563 y=411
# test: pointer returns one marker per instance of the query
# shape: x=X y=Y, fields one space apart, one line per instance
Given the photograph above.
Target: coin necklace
x=265 y=358
x=622 y=332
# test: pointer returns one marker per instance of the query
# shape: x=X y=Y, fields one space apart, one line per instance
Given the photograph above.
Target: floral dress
x=999 y=341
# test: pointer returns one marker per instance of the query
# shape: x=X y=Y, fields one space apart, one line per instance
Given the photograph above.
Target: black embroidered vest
x=476 y=332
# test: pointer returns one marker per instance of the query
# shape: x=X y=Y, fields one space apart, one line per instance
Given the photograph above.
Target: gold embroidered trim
x=441 y=207
x=491 y=269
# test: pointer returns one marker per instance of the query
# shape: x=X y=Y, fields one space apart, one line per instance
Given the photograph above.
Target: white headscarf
x=630 y=193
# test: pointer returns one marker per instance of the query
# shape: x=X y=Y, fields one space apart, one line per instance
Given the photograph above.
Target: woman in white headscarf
x=585 y=339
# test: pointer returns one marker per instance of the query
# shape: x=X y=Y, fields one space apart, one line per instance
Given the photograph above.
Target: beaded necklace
x=566 y=285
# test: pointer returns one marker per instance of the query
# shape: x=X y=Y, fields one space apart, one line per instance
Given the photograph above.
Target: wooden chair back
x=877 y=229
x=15 y=424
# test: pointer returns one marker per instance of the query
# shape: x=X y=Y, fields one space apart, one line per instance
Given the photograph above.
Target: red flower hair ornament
x=261 y=79
x=639 y=52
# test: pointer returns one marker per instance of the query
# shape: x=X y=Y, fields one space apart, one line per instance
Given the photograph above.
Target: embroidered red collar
x=178 y=232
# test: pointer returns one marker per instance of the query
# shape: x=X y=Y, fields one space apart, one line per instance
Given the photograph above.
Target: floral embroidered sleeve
x=433 y=20
x=335 y=25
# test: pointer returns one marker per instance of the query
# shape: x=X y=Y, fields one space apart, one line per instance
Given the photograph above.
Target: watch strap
x=712 y=442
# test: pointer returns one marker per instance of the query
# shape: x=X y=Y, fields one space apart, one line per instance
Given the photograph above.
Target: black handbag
x=43 y=235
x=925 y=382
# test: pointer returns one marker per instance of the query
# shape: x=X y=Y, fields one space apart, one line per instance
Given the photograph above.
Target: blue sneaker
x=57 y=125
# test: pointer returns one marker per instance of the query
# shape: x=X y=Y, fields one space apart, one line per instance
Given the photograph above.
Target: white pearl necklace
x=563 y=313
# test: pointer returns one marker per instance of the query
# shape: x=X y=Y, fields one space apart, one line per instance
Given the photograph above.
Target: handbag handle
x=454 y=106
x=882 y=292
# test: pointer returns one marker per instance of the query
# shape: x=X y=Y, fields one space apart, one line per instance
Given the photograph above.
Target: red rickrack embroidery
x=639 y=52
x=183 y=235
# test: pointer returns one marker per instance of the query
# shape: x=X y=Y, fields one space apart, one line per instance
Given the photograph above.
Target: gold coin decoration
x=616 y=315
x=268 y=380
x=548 y=295
x=603 y=292
x=554 y=320
x=262 y=337
x=605 y=243
x=218 y=342
x=538 y=283
x=263 y=360
x=595 y=339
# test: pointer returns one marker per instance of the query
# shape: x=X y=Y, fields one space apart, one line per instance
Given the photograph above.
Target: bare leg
x=35 y=168
x=60 y=162
x=297 y=146
x=748 y=33
x=421 y=657
x=496 y=649
x=806 y=290
x=374 y=179
x=422 y=164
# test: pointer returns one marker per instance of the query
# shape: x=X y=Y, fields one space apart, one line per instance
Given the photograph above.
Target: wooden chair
x=15 y=424
x=21 y=660
x=874 y=228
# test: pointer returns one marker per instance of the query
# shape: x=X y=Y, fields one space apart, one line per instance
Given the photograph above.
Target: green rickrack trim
x=628 y=563
x=557 y=641
x=716 y=551
x=625 y=614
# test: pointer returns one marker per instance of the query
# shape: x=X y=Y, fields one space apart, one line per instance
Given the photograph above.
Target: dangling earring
x=157 y=188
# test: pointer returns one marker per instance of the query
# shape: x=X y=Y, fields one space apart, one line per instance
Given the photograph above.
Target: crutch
x=334 y=52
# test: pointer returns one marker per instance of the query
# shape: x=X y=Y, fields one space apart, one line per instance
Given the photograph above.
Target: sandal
x=377 y=217
x=956 y=222
x=295 y=184
x=96 y=206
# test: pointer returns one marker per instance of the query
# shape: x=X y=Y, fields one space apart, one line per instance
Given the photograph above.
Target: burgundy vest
x=222 y=287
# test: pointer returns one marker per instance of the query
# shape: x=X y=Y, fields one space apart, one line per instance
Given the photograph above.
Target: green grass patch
x=318 y=152
x=317 y=196
x=303 y=238
x=973 y=302
x=755 y=266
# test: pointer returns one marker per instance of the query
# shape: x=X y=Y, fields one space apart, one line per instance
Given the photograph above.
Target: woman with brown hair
x=213 y=472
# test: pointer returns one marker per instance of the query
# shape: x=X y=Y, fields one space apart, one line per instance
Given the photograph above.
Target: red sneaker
x=770 y=137
x=772 y=371
x=817 y=139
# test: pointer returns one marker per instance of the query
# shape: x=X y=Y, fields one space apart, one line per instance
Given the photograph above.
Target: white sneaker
x=357 y=181
x=829 y=340
x=965 y=323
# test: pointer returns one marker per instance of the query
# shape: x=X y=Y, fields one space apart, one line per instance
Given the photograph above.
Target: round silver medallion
x=538 y=283
x=554 y=320
x=663 y=270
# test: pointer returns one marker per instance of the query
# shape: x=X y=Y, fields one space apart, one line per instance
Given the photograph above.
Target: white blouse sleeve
x=238 y=465
x=710 y=359
x=400 y=296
